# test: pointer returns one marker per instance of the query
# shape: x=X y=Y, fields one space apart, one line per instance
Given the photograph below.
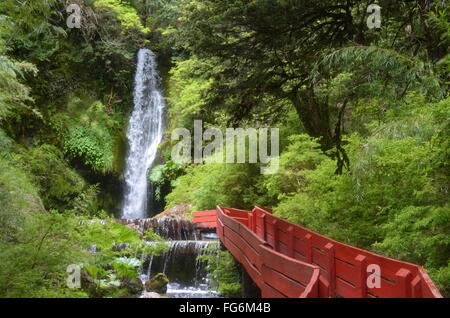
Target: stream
x=187 y=275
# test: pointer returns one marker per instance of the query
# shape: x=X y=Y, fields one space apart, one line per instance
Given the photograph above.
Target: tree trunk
x=314 y=116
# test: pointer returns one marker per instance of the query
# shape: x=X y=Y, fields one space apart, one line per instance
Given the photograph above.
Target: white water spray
x=144 y=134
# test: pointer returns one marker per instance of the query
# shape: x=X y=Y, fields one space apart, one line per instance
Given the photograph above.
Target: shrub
x=58 y=183
x=223 y=272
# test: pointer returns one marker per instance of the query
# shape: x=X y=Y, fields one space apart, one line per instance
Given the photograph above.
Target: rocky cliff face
x=173 y=224
x=169 y=229
x=180 y=211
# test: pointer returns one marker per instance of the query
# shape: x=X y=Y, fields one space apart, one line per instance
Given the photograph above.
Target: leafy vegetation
x=363 y=117
x=223 y=272
x=64 y=95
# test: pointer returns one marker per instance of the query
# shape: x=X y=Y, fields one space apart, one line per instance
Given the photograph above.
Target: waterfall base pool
x=201 y=291
x=187 y=275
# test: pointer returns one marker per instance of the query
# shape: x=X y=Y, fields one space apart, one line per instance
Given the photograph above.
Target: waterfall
x=144 y=134
x=171 y=229
x=187 y=274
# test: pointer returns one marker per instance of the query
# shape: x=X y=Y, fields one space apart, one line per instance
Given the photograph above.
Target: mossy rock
x=157 y=283
x=135 y=286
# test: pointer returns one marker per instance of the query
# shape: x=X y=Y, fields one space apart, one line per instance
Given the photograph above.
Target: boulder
x=157 y=283
x=135 y=286
x=180 y=211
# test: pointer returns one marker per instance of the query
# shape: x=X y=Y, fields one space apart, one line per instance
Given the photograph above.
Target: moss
x=157 y=284
x=58 y=183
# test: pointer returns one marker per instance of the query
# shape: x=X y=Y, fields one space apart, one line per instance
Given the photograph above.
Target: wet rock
x=167 y=228
x=135 y=286
x=120 y=247
x=174 y=229
x=180 y=211
x=157 y=283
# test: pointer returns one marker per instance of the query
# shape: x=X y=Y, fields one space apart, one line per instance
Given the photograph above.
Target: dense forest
x=363 y=115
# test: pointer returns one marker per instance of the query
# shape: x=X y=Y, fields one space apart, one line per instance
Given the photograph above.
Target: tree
x=270 y=48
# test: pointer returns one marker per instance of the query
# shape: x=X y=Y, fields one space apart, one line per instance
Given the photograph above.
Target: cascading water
x=186 y=273
x=144 y=134
x=171 y=229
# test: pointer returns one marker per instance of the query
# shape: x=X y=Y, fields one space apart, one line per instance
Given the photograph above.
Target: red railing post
x=290 y=242
x=263 y=227
x=360 y=263
x=308 y=248
x=403 y=279
x=331 y=268
x=416 y=286
x=275 y=235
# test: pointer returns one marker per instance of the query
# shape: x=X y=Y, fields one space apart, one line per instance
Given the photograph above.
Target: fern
x=397 y=72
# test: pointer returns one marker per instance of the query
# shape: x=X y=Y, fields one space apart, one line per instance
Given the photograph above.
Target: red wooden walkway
x=287 y=260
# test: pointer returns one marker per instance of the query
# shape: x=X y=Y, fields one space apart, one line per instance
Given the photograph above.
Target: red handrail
x=275 y=274
x=287 y=260
x=205 y=218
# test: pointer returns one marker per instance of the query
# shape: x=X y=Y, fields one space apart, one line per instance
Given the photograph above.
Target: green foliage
x=205 y=186
x=81 y=143
x=255 y=60
x=393 y=199
x=223 y=272
x=157 y=245
x=126 y=14
x=58 y=183
x=441 y=277
x=18 y=196
x=34 y=262
x=419 y=234
x=166 y=173
x=302 y=154
x=440 y=20
x=188 y=93
x=377 y=98
x=89 y=137
x=380 y=72
x=86 y=203
x=126 y=268
x=105 y=234
x=111 y=273
x=151 y=236
x=154 y=249
x=37 y=27
x=36 y=245
x=13 y=93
